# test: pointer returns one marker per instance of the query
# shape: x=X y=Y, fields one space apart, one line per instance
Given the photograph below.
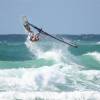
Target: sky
x=53 y=16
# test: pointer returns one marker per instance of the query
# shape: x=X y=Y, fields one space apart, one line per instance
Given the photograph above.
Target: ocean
x=48 y=69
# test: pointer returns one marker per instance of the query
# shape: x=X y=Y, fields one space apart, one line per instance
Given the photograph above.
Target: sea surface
x=48 y=69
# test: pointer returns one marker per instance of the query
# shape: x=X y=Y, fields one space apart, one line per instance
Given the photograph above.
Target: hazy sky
x=54 y=16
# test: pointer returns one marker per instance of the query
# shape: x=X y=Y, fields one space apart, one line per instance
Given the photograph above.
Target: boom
x=43 y=32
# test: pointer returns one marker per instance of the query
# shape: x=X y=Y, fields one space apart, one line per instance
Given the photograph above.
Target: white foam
x=43 y=78
x=95 y=55
x=64 y=75
x=91 y=74
x=90 y=79
x=51 y=78
x=76 y=95
x=53 y=54
x=33 y=47
x=98 y=43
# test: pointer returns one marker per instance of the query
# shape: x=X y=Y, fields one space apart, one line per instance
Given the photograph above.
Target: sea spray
x=67 y=78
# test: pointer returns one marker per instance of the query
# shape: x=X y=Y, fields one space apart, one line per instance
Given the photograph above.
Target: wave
x=10 y=43
x=76 y=95
x=95 y=55
x=65 y=79
x=98 y=43
x=64 y=74
x=51 y=50
x=54 y=78
x=32 y=79
x=54 y=53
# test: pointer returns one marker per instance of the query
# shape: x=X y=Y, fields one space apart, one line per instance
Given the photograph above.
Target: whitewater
x=49 y=71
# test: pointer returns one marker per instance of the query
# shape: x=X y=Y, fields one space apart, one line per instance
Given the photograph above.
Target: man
x=33 y=37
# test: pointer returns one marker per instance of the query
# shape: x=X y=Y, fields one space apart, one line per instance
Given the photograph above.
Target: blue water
x=50 y=67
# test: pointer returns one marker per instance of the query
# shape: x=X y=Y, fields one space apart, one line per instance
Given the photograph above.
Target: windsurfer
x=33 y=37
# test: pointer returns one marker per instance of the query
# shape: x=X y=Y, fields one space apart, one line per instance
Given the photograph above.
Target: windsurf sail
x=45 y=33
x=31 y=35
x=26 y=25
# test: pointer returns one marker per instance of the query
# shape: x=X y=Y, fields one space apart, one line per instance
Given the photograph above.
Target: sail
x=45 y=33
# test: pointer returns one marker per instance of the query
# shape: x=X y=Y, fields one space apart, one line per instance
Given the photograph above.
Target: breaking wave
x=65 y=79
x=56 y=82
x=98 y=43
x=76 y=95
x=95 y=55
